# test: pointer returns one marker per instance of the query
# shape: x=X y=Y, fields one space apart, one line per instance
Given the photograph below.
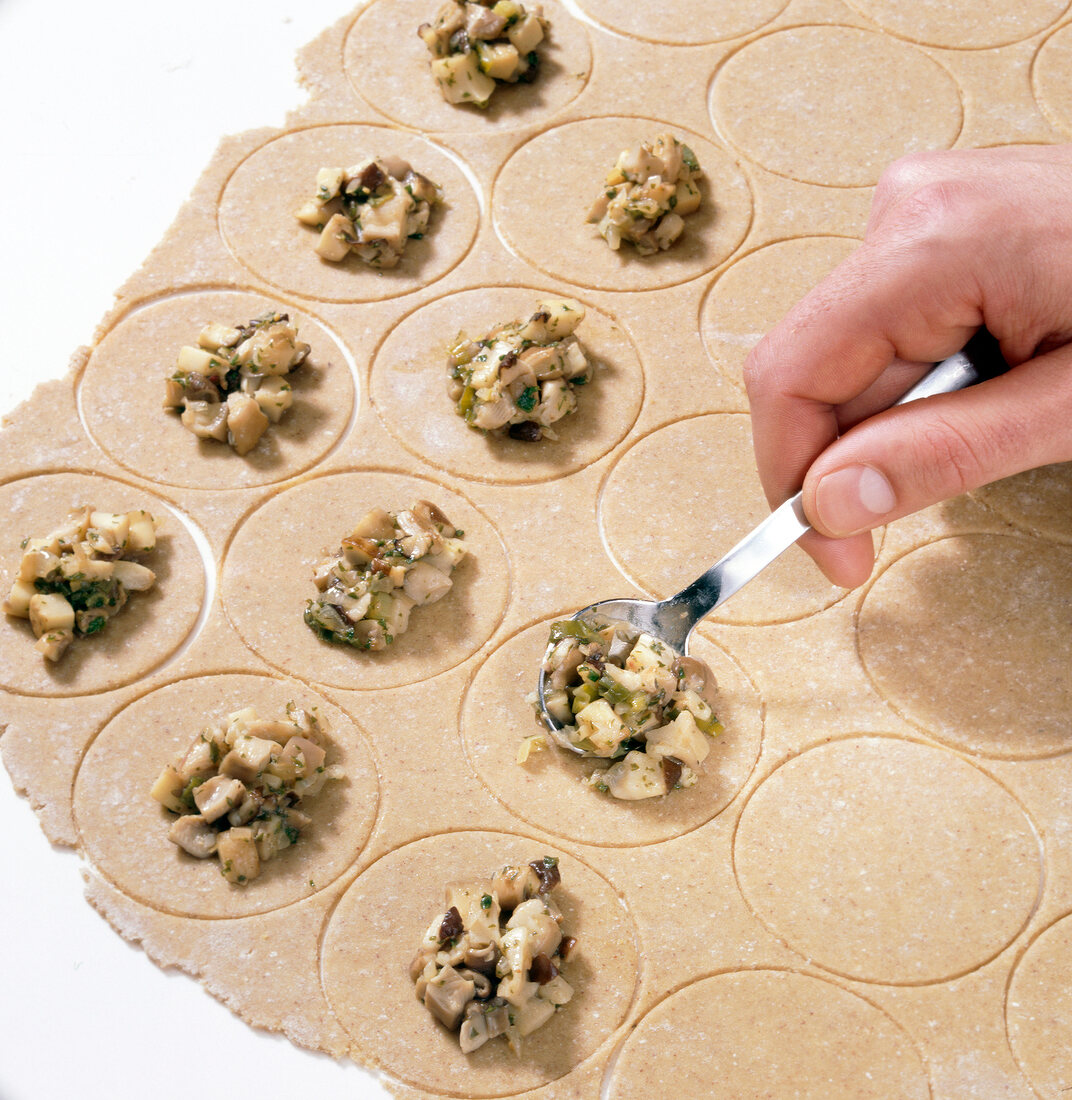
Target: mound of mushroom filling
x=237 y=788
x=234 y=383
x=70 y=583
x=647 y=195
x=520 y=378
x=390 y=563
x=625 y=696
x=475 y=46
x=491 y=964
x=372 y=209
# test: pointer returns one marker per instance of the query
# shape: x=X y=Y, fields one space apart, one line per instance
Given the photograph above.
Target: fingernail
x=852 y=499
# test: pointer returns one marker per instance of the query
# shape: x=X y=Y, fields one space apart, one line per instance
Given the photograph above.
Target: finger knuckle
x=957 y=458
x=906 y=174
x=942 y=213
x=757 y=369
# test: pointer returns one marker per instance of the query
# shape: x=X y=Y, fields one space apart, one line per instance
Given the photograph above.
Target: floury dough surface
x=869 y=892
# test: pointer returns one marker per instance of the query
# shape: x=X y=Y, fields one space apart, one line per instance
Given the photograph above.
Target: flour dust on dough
x=256 y=215
x=122 y=390
x=549 y=790
x=833 y=105
x=148 y=629
x=409 y=389
x=125 y=834
x=268 y=575
x=532 y=183
x=896 y=842
x=377 y=926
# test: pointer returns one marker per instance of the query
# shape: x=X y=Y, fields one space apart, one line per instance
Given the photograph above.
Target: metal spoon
x=672 y=620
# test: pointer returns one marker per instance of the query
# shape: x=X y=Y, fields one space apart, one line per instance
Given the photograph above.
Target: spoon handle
x=978 y=360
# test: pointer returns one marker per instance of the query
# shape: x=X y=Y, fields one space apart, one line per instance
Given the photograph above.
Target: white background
x=109 y=109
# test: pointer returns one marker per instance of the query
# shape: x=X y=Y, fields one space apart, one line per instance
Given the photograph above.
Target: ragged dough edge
x=34 y=419
x=585 y=1083
x=347 y=107
x=53 y=813
x=178 y=943
x=175 y=943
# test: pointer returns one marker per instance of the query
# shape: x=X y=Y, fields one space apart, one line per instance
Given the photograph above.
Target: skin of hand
x=954 y=240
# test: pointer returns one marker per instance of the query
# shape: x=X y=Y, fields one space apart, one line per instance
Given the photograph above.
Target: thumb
x=915 y=455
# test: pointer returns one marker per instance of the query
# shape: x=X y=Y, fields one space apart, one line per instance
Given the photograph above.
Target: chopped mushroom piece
x=234 y=383
x=647 y=195
x=491 y=963
x=521 y=377
x=390 y=563
x=476 y=46
x=72 y=582
x=372 y=209
x=237 y=794
x=625 y=696
x=237 y=850
x=195 y=835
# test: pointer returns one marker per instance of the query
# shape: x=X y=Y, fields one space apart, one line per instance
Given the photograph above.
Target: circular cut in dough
x=716 y=499
x=387 y=64
x=768 y=1033
x=1039 y=501
x=409 y=389
x=1038 y=1011
x=685 y=22
x=122 y=392
x=755 y=292
x=870 y=857
x=963 y=24
x=124 y=829
x=833 y=105
x=532 y=183
x=1051 y=78
x=268 y=576
x=548 y=790
x=969 y=639
x=146 y=631
x=257 y=214
x=376 y=929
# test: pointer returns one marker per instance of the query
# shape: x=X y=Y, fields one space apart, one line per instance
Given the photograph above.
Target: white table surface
x=108 y=112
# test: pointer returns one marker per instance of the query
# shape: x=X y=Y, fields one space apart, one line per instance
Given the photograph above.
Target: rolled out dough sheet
x=868 y=893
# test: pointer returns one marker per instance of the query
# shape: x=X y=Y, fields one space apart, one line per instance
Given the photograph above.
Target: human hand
x=955 y=240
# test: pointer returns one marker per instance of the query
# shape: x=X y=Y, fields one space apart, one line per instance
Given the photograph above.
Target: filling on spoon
x=625 y=696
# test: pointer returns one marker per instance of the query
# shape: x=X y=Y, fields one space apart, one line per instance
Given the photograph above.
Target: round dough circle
x=409 y=390
x=1039 y=501
x=964 y=25
x=376 y=929
x=869 y=857
x=768 y=1033
x=1038 y=1010
x=387 y=63
x=149 y=628
x=532 y=183
x=257 y=219
x=711 y=512
x=969 y=636
x=268 y=575
x=757 y=290
x=547 y=791
x=135 y=357
x=124 y=830
x=833 y=105
x=685 y=22
x=1051 y=78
